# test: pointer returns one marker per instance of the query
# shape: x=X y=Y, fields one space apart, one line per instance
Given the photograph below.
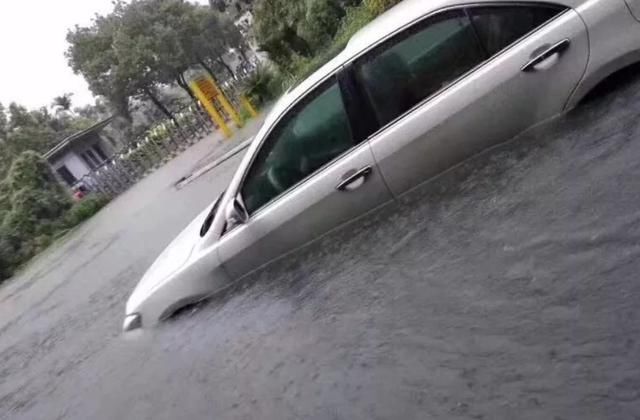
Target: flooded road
x=506 y=288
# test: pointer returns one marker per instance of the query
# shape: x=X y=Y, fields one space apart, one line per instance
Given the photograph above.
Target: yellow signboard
x=208 y=102
x=212 y=91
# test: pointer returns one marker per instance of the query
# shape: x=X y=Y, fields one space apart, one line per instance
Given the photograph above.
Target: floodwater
x=506 y=288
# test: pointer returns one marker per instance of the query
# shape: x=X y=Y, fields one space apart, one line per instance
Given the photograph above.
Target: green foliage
x=84 y=210
x=145 y=44
x=4 y=122
x=32 y=202
x=321 y=22
x=31 y=206
x=29 y=170
x=63 y=102
x=37 y=130
x=265 y=85
x=378 y=6
x=34 y=209
x=326 y=24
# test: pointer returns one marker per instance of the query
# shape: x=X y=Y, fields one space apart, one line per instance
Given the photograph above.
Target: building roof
x=76 y=138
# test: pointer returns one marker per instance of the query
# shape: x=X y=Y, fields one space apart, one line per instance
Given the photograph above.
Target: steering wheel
x=282 y=177
x=274 y=180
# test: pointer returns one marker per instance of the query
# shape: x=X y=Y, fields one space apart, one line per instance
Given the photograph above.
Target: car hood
x=171 y=260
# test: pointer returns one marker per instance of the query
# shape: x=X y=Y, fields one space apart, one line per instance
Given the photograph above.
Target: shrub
x=321 y=22
x=39 y=204
x=378 y=6
x=265 y=85
x=7 y=256
x=33 y=210
x=30 y=170
x=84 y=210
x=354 y=20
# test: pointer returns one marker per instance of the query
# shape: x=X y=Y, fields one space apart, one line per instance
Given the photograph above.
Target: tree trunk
x=184 y=85
x=160 y=106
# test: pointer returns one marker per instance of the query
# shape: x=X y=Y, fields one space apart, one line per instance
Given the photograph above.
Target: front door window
x=312 y=135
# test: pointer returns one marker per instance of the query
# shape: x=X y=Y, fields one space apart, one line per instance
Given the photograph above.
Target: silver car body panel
x=184 y=273
x=489 y=105
x=634 y=6
x=614 y=42
x=305 y=212
x=495 y=102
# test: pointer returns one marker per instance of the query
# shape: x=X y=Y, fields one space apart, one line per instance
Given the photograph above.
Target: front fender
x=201 y=277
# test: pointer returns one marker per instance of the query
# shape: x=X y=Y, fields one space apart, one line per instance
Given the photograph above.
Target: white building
x=80 y=154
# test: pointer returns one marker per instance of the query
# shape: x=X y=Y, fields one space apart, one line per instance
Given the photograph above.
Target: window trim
x=303 y=100
x=352 y=63
x=276 y=123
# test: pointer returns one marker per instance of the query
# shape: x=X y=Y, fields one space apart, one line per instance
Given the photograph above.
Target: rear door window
x=500 y=26
x=419 y=62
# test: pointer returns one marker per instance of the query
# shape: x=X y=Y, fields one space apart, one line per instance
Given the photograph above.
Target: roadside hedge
x=34 y=210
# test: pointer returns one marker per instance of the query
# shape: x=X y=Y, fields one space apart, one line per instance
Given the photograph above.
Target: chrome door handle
x=558 y=48
x=348 y=184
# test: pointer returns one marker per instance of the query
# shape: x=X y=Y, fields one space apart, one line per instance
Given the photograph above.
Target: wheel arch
x=595 y=79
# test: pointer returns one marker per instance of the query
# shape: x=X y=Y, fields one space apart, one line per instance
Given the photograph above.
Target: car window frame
x=422 y=23
x=359 y=106
x=353 y=115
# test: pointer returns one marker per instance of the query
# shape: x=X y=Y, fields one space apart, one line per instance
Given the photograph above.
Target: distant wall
x=74 y=164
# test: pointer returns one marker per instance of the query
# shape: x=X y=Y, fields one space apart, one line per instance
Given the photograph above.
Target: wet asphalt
x=507 y=288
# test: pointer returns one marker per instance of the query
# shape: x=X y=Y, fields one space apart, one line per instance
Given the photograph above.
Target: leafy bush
x=33 y=210
x=354 y=20
x=84 y=210
x=321 y=22
x=378 y=6
x=266 y=84
x=6 y=257
x=30 y=170
x=39 y=204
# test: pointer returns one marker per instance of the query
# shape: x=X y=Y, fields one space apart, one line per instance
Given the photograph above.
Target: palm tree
x=62 y=103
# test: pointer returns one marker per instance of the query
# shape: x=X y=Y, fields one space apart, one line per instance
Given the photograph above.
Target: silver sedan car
x=423 y=87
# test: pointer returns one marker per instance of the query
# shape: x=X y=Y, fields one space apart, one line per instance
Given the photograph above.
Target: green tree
x=215 y=37
x=96 y=112
x=4 y=122
x=31 y=202
x=379 y=6
x=91 y=53
x=146 y=44
x=62 y=103
x=322 y=21
x=19 y=116
x=276 y=28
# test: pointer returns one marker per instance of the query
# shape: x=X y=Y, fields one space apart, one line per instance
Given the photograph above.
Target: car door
x=312 y=173
x=464 y=79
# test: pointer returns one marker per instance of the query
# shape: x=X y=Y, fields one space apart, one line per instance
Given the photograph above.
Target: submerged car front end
x=184 y=273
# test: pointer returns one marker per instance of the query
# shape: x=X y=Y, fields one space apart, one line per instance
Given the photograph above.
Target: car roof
x=384 y=25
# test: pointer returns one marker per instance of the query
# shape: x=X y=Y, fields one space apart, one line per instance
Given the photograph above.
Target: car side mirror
x=236 y=213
